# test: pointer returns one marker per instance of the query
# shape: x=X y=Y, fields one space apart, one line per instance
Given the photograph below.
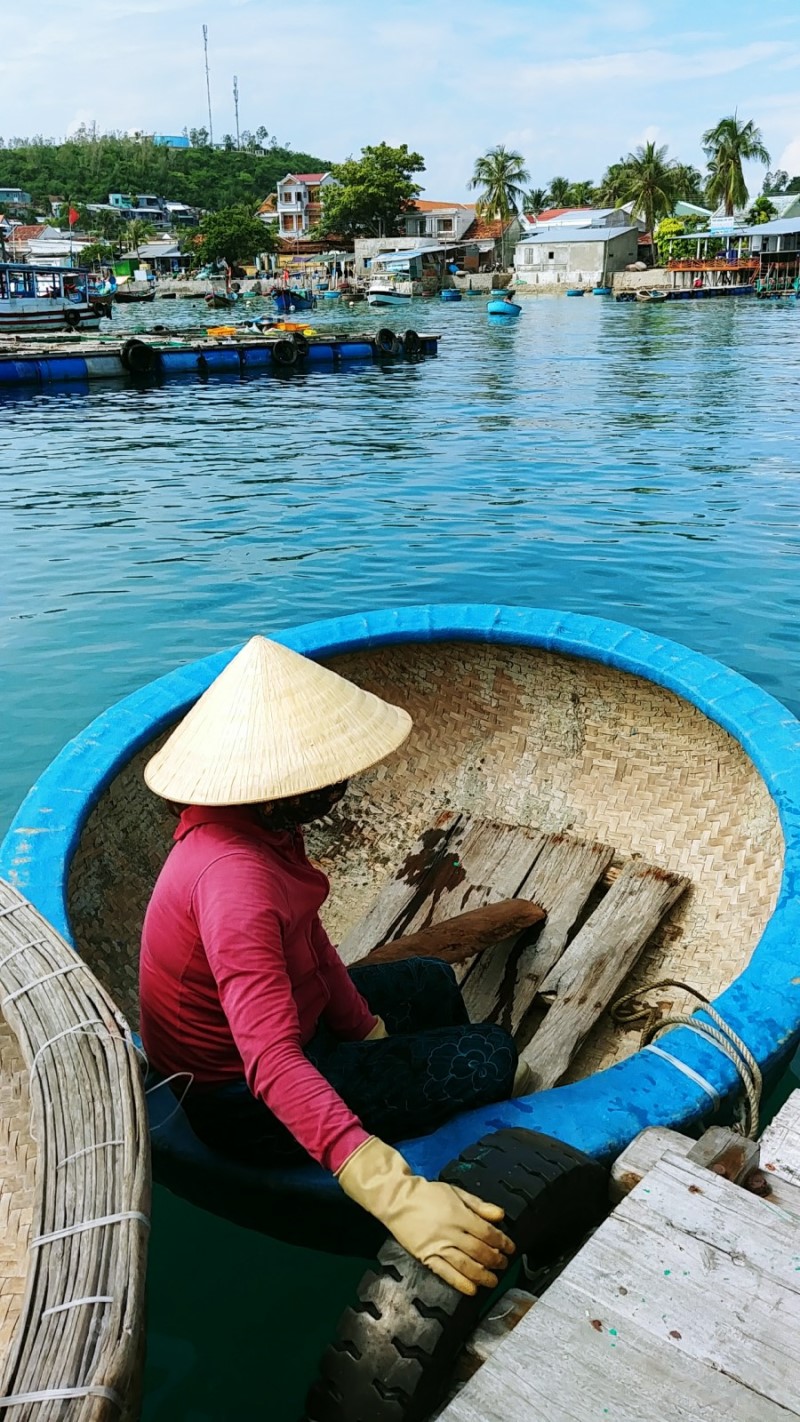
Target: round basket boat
x=74 y=1184
x=557 y=725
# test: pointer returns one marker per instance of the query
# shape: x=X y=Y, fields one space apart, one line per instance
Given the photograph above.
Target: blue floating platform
x=46 y=363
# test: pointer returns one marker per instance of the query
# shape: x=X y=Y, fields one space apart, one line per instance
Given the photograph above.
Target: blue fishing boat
x=559 y=739
x=506 y=307
x=293 y=299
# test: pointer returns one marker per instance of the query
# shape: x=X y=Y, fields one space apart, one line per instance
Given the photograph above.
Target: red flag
x=73 y=216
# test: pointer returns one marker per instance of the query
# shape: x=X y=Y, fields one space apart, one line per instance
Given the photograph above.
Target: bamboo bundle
x=75 y=1198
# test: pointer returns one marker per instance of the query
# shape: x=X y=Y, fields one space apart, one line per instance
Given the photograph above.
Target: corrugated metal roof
x=776 y=228
x=572 y=235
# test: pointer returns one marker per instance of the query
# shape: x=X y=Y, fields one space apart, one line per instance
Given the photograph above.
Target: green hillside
x=86 y=169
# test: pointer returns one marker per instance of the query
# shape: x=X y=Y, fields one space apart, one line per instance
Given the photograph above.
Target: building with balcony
x=300 y=202
x=445 y=221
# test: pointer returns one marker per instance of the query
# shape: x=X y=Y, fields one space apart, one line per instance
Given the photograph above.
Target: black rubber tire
x=386 y=340
x=412 y=345
x=72 y=320
x=284 y=353
x=394 y=1351
x=138 y=357
x=300 y=343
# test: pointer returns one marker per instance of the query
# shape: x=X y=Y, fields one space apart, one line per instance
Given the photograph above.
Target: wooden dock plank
x=559 y=1366
x=780 y=1143
x=501 y=986
x=599 y=958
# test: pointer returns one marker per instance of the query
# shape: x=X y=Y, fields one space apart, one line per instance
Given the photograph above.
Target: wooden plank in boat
x=599 y=958
x=459 y=864
x=400 y=893
x=501 y=985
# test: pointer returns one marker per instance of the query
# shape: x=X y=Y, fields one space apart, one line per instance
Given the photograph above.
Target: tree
x=559 y=192
x=96 y=254
x=730 y=143
x=534 y=201
x=775 y=184
x=613 y=185
x=371 y=193
x=762 y=211
x=650 y=185
x=138 y=231
x=499 y=174
x=582 y=194
x=688 y=184
x=234 y=235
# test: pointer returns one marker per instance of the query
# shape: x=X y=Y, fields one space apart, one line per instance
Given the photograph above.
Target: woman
x=242 y=991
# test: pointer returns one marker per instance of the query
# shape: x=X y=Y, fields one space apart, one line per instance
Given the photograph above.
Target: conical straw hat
x=273 y=724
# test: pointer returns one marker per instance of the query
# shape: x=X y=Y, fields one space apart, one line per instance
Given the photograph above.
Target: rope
x=631 y=1008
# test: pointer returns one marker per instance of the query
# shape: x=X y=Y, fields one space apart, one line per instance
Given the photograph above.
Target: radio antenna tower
x=236 y=107
x=208 y=87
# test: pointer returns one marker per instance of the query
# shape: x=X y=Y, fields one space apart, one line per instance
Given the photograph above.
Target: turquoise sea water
x=638 y=462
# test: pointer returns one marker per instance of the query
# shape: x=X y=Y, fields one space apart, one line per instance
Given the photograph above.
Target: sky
x=572 y=88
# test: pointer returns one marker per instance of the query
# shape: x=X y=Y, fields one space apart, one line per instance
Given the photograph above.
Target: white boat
x=401 y=275
x=49 y=299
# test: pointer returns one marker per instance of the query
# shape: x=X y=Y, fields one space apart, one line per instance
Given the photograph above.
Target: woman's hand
x=455 y=1234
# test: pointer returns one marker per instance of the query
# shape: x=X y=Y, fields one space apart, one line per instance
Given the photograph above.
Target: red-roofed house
x=21 y=236
x=446 y=220
x=300 y=200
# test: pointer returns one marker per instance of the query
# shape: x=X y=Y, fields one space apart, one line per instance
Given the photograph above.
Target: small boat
x=652 y=295
x=293 y=299
x=575 y=291
x=601 y=291
x=449 y=294
x=125 y=295
x=332 y=295
x=34 y=299
x=503 y=308
x=612 y=755
x=220 y=300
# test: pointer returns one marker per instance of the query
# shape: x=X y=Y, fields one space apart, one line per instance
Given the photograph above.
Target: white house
x=445 y=221
x=300 y=202
x=567 y=256
x=578 y=217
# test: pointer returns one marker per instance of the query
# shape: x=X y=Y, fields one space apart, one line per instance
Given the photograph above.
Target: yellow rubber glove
x=450 y=1231
x=377 y=1033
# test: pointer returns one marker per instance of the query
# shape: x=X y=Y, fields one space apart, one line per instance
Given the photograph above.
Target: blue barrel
x=218 y=360
x=63 y=368
x=177 y=362
x=19 y=372
x=255 y=357
x=355 y=350
x=321 y=351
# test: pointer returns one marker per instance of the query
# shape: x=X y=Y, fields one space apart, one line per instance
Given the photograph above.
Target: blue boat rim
x=602 y=1113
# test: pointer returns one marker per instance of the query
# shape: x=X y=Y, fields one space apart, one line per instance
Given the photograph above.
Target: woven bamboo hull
x=532 y=718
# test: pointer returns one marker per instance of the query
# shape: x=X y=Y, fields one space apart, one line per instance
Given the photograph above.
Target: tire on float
x=300 y=343
x=284 y=353
x=72 y=319
x=138 y=357
x=386 y=341
x=412 y=345
x=394 y=1350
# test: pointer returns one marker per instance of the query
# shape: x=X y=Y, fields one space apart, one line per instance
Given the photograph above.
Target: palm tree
x=650 y=185
x=688 y=182
x=534 y=201
x=139 y=229
x=726 y=146
x=582 y=194
x=559 y=191
x=500 y=174
x=613 y=184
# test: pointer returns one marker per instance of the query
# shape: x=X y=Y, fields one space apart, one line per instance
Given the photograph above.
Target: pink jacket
x=236 y=971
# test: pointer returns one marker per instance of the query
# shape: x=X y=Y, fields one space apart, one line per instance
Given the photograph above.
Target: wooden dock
x=684 y=1306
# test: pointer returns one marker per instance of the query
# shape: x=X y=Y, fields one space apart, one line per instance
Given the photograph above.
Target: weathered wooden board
x=455 y=940
x=501 y=986
x=400 y=892
x=780 y=1143
x=644 y=1151
x=599 y=958
x=569 y=1362
x=459 y=864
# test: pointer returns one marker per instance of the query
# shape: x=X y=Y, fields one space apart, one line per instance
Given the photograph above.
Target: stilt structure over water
x=684 y=1305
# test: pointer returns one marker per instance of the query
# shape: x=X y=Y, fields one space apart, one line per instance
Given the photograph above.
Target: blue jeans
x=433 y=1064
